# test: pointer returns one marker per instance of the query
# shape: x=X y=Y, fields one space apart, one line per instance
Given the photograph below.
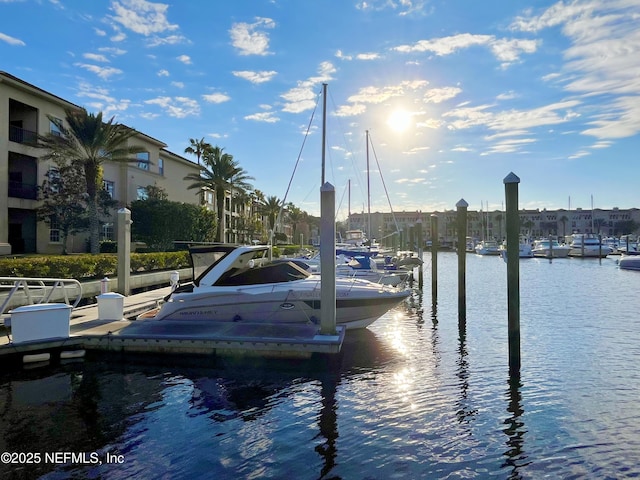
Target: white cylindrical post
x=104 y=285
x=124 y=250
x=328 y=259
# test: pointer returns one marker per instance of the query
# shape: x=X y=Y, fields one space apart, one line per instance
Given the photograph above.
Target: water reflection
x=515 y=431
x=465 y=411
x=328 y=423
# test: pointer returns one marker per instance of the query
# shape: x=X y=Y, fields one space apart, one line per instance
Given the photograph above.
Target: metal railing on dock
x=16 y=291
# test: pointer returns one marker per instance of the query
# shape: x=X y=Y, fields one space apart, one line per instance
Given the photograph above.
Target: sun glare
x=399 y=120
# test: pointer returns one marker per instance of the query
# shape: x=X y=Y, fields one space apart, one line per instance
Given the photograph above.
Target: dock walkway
x=89 y=332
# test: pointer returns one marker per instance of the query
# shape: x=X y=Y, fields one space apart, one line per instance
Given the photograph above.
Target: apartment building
x=24 y=111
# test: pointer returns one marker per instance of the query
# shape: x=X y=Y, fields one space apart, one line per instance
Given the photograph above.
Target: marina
x=410 y=395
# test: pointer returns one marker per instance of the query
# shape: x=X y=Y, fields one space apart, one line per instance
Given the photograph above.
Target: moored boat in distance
x=487 y=247
x=549 y=248
x=240 y=284
x=629 y=262
x=587 y=245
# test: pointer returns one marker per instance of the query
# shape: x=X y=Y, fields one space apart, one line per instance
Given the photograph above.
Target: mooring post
x=462 y=263
x=124 y=251
x=599 y=248
x=420 y=243
x=327 y=260
x=434 y=259
x=511 y=182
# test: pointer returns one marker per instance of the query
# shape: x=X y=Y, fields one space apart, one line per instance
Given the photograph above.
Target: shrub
x=86 y=267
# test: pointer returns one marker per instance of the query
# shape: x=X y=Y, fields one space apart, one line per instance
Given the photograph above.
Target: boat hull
x=631 y=262
x=357 y=307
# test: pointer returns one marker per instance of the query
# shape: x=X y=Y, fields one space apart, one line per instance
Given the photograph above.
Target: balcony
x=21 y=135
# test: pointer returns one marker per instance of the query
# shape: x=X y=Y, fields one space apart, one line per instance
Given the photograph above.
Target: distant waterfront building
x=399 y=229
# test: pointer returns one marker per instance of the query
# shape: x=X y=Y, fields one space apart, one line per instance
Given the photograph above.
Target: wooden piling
x=124 y=251
x=420 y=243
x=462 y=262
x=327 y=259
x=511 y=182
x=434 y=259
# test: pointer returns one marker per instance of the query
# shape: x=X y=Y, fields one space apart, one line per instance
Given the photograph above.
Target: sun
x=399 y=120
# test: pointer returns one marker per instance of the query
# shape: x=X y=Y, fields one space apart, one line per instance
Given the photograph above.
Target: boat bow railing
x=16 y=291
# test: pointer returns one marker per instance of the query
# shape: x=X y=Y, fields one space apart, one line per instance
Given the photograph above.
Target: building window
x=110 y=187
x=54 y=129
x=142 y=193
x=143 y=160
x=54 y=231
x=107 y=232
x=161 y=166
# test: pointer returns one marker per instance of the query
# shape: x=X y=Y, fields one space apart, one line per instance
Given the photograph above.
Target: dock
x=128 y=335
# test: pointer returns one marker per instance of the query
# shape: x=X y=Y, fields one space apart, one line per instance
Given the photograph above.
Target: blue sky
x=455 y=94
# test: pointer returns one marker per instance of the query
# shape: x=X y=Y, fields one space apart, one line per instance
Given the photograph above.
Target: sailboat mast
x=349 y=208
x=368 y=195
x=324 y=126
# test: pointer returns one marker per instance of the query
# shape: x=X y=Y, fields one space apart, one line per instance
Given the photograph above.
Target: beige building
x=533 y=223
x=24 y=111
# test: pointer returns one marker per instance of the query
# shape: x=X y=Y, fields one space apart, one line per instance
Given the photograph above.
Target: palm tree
x=221 y=174
x=89 y=142
x=295 y=215
x=198 y=148
x=271 y=208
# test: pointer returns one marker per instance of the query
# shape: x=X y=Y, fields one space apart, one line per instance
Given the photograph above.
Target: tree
x=271 y=208
x=88 y=142
x=64 y=202
x=221 y=173
x=160 y=222
x=198 y=148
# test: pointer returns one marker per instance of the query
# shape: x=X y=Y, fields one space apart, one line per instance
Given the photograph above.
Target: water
x=409 y=398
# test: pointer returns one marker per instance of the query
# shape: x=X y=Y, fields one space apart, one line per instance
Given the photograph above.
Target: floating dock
x=125 y=335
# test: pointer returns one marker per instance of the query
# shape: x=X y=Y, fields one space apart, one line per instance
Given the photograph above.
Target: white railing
x=29 y=291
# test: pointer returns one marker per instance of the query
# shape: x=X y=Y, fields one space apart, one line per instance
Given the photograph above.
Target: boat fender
x=237 y=318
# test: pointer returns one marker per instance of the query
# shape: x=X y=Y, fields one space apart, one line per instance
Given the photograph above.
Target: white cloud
x=302 y=97
x=248 y=39
x=179 y=107
x=186 y=59
x=216 y=98
x=140 y=16
x=95 y=57
x=102 y=72
x=267 y=117
x=11 y=40
x=255 y=77
x=163 y=73
x=505 y=50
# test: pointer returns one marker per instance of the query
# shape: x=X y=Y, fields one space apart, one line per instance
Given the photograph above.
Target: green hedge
x=87 y=267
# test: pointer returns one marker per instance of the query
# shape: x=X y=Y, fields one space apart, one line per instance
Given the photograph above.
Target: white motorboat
x=549 y=248
x=240 y=284
x=629 y=262
x=487 y=247
x=524 y=251
x=587 y=245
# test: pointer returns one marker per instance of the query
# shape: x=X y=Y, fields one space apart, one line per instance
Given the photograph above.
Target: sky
x=453 y=95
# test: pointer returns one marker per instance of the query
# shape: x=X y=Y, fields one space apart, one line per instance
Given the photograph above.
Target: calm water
x=408 y=399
